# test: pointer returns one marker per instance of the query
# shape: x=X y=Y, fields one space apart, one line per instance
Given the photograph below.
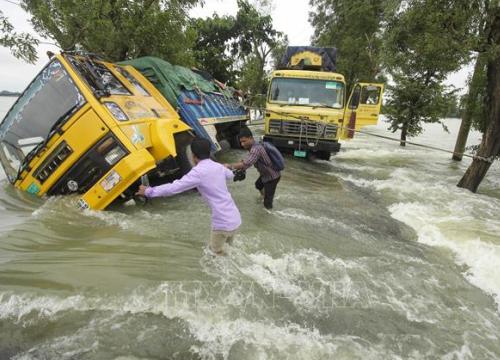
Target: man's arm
x=229 y=174
x=187 y=182
x=244 y=164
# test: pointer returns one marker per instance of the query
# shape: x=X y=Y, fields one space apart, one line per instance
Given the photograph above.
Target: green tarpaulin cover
x=171 y=80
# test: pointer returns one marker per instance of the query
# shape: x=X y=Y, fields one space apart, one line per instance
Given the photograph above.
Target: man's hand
x=235 y=166
x=142 y=190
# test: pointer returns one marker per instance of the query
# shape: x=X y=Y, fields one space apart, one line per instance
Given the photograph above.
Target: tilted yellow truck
x=87 y=127
x=307 y=111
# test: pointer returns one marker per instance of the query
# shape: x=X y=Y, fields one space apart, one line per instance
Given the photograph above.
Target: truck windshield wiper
x=101 y=87
x=61 y=121
x=29 y=156
x=87 y=70
x=53 y=129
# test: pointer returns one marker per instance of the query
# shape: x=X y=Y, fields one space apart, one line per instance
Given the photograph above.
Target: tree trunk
x=463 y=133
x=404 y=131
x=465 y=125
x=490 y=144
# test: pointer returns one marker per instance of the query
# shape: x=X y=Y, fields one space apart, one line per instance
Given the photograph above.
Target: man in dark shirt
x=269 y=177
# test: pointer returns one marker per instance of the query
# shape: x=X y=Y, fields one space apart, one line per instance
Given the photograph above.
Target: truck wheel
x=184 y=160
x=324 y=155
x=235 y=138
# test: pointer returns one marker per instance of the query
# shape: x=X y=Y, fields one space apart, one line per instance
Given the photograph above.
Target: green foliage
x=21 y=45
x=213 y=48
x=117 y=29
x=256 y=33
x=255 y=43
x=414 y=43
x=454 y=109
x=479 y=117
x=238 y=49
x=475 y=100
x=424 y=42
x=279 y=50
x=355 y=28
x=413 y=101
x=254 y=81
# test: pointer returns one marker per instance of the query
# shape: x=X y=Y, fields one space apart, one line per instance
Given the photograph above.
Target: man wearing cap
x=209 y=178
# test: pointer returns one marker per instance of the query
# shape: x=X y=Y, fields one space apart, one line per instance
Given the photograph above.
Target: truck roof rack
x=309 y=58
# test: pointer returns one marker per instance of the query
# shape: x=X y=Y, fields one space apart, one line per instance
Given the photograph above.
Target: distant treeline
x=9 y=93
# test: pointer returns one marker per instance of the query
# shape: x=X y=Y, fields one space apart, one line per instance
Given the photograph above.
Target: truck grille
x=54 y=160
x=88 y=169
x=305 y=128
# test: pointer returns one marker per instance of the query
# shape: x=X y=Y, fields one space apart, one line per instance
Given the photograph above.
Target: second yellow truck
x=307 y=111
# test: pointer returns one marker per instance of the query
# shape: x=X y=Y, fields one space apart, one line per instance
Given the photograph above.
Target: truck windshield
x=307 y=92
x=48 y=102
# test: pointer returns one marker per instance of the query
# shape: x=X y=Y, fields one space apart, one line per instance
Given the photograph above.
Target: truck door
x=362 y=108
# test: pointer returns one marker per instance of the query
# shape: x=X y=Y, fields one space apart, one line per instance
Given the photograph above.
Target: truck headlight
x=114 y=109
x=114 y=155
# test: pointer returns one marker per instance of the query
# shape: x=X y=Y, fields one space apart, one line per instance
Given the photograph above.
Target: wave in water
x=446 y=216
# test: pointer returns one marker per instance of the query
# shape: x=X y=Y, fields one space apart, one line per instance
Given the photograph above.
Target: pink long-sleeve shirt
x=209 y=177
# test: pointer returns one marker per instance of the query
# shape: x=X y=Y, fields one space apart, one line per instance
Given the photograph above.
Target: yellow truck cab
x=307 y=112
x=84 y=126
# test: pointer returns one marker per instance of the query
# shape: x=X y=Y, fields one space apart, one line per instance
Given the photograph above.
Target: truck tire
x=184 y=160
x=235 y=138
x=324 y=155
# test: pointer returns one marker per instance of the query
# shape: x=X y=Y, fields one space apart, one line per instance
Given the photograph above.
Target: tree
x=22 y=45
x=473 y=114
x=238 y=49
x=117 y=29
x=214 y=49
x=490 y=144
x=355 y=28
x=415 y=100
x=255 y=43
x=474 y=110
x=424 y=42
x=453 y=110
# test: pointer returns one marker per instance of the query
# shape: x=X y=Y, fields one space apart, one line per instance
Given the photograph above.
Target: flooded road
x=375 y=254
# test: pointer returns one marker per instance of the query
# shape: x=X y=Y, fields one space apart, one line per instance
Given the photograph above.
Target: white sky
x=289 y=16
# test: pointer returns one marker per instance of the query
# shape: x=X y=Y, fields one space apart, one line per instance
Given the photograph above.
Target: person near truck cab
x=209 y=178
x=269 y=177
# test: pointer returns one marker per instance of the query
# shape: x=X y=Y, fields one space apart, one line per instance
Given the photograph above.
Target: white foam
x=374 y=153
x=463 y=353
x=298 y=214
x=318 y=284
x=216 y=331
x=19 y=306
x=430 y=223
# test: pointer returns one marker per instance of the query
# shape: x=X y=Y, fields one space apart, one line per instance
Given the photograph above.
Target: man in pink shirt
x=209 y=178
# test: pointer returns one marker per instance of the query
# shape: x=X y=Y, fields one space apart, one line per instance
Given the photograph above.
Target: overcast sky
x=289 y=16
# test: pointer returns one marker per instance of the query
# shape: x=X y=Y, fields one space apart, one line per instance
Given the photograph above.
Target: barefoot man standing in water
x=209 y=178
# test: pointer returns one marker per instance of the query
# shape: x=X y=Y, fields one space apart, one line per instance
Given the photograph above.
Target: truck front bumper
x=292 y=143
x=127 y=171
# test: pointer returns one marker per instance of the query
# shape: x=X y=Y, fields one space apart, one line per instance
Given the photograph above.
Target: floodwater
x=375 y=254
